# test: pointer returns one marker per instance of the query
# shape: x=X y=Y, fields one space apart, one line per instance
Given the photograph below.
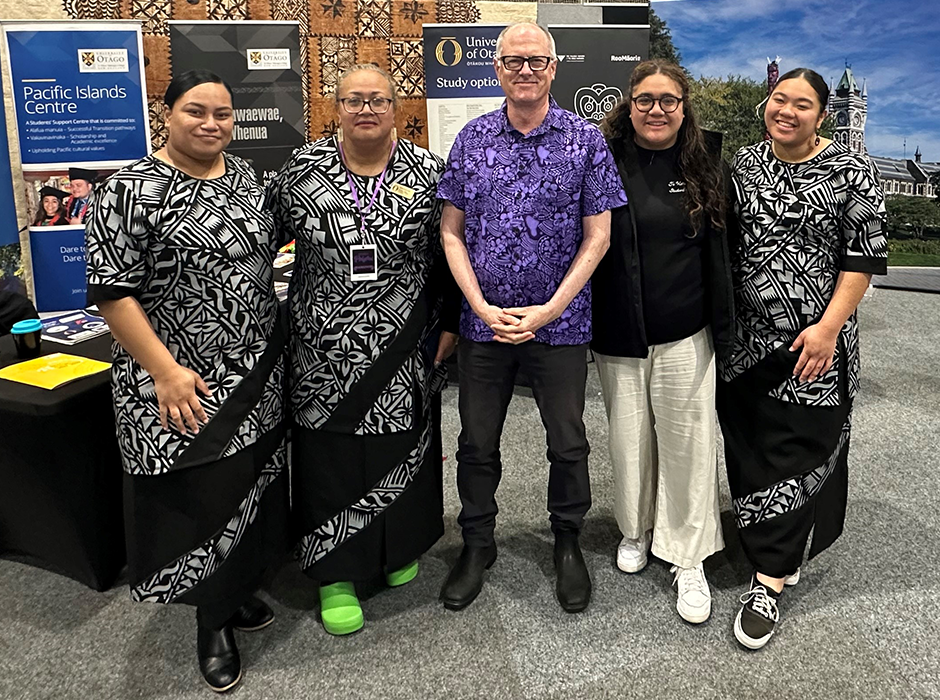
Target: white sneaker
x=695 y=600
x=632 y=553
x=792 y=579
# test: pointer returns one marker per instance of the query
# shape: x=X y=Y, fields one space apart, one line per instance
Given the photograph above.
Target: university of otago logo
x=445 y=47
x=268 y=59
x=103 y=61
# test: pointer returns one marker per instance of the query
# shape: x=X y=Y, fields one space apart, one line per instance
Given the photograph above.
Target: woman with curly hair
x=662 y=305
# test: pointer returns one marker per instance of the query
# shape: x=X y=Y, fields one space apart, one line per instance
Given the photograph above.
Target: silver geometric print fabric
x=801 y=224
x=789 y=494
x=341 y=327
x=198 y=255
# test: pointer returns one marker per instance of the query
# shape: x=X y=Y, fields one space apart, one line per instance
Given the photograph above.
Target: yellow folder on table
x=51 y=371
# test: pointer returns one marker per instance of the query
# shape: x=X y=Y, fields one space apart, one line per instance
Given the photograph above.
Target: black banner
x=261 y=61
x=594 y=65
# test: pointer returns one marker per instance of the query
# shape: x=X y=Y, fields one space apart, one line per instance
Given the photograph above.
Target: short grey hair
x=548 y=35
x=369 y=67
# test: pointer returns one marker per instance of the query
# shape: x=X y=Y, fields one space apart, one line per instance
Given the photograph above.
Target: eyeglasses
x=354 y=105
x=667 y=103
x=515 y=63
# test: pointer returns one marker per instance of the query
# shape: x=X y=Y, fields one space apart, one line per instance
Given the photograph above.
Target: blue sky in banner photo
x=894 y=44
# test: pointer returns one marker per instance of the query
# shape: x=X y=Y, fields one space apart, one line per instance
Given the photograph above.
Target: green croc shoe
x=339 y=608
x=403 y=575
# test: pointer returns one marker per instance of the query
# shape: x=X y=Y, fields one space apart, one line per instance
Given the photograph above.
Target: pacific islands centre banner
x=79 y=102
x=260 y=60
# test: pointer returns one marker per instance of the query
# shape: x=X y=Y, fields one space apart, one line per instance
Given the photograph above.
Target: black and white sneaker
x=758 y=617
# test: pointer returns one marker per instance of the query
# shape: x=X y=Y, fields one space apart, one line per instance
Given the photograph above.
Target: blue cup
x=27 y=337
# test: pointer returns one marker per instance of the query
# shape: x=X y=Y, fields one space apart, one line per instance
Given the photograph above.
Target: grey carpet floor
x=862 y=623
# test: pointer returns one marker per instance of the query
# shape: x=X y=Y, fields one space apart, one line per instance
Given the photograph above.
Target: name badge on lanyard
x=363 y=259
x=363 y=263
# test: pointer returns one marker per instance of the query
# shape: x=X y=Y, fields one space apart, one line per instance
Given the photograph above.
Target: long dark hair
x=41 y=214
x=704 y=193
x=185 y=82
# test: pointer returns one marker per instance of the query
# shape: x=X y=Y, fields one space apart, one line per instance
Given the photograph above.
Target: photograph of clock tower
x=849 y=107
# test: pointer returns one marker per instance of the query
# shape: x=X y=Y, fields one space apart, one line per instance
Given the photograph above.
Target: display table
x=60 y=472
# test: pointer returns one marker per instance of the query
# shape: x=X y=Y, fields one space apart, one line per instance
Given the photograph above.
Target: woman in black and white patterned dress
x=812 y=221
x=180 y=258
x=366 y=344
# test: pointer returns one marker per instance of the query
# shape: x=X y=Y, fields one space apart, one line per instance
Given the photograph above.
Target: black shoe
x=218 y=658
x=253 y=615
x=465 y=581
x=573 y=584
x=758 y=617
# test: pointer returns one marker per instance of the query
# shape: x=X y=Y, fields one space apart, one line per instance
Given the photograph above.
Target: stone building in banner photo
x=848 y=105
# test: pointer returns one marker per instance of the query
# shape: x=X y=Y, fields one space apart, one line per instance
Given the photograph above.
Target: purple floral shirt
x=523 y=197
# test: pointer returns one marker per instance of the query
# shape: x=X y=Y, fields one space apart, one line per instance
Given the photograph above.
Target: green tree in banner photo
x=661 y=45
x=912 y=216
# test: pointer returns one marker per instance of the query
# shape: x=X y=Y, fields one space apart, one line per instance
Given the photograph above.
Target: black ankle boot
x=465 y=581
x=573 y=584
x=218 y=657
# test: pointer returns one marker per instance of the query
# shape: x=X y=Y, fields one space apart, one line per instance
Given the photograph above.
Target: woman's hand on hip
x=176 y=391
x=819 y=345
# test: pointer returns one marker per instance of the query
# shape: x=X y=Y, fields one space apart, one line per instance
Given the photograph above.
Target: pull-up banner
x=261 y=62
x=595 y=63
x=78 y=93
x=81 y=113
x=461 y=80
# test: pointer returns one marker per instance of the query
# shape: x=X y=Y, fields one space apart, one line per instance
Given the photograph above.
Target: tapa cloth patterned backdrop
x=334 y=34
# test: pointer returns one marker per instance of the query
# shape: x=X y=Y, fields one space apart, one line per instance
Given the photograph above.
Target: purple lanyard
x=378 y=185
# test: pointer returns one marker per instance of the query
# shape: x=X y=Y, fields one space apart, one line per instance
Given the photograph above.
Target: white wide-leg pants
x=662 y=427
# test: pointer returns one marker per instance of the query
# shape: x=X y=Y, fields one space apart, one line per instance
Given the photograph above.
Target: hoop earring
x=817 y=139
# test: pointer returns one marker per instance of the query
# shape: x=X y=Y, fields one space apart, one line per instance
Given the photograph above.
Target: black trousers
x=558 y=375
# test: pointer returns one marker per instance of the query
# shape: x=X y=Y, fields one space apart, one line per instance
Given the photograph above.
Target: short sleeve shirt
x=523 y=198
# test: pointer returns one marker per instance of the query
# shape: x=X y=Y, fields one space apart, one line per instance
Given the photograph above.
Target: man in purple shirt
x=529 y=190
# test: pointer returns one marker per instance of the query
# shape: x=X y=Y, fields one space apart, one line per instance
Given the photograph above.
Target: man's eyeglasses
x=354 y=105
x=515 y=63
x=667 y=103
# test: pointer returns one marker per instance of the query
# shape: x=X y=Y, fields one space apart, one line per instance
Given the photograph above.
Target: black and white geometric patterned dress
x=197 y=255
x=801 y=225
x=366 y=437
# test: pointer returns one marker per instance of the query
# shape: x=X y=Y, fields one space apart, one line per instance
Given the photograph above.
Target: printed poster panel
x=595 y=63
x=461 y=80
x=57 y=233
x=80 y=106
x=261 y=61
x=58 y=255
x=78 y=93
